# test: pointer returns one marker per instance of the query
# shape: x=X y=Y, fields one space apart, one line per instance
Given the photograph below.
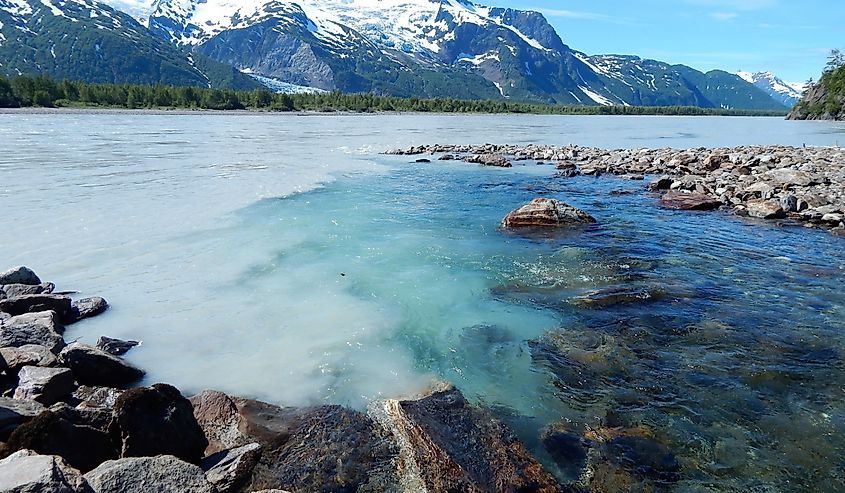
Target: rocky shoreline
x=805 y=185
x=72 y=420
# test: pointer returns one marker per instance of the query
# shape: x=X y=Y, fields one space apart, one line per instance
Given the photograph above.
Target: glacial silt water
x=281 y=257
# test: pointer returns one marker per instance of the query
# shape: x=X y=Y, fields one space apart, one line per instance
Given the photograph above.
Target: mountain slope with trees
x=825 y=99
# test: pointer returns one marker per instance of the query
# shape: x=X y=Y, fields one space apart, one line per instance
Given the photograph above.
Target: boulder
x=32 y=328
x=162 y=474
x=76 y=437
x=115 y=347
x=791 y=177
x=326 y=448
x=446 y=444
x=662 y=183
x=546 y=213
x=92 y=366
x=15 y=290
x=88 y=307
x=489 y=159
x=765 y=209
x=689 y=201
x=15 y=412
x=27 y=355
x=32 y=303
x=158 y=421
x=27 y=472
x=19 y=275
x=87 y=397
x=228 y=470
x=44 y=385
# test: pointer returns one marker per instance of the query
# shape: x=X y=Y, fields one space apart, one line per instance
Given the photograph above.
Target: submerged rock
x=40 y=329
x=689 y=201
x=28 y=472
x=92 y=366
x=19 y=275
x=115 y=347
x=546 y=213
x=158 y=421
x=162 y=474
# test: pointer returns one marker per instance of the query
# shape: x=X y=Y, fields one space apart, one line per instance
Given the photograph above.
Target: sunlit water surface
x=280 y=257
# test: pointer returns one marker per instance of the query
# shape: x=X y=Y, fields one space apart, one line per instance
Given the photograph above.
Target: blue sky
x=791 y=38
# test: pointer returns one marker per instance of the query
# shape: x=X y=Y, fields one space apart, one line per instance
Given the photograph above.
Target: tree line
x=39 y=91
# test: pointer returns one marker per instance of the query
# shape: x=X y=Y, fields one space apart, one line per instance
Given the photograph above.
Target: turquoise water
x=283 y=258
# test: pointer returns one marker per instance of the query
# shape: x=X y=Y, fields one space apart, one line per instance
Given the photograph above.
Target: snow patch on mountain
x=786 y=93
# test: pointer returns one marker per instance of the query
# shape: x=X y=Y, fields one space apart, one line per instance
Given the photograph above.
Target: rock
x=96 y=397
x=644 y=456
x=162 y=474
x=158 y=421
x=44 y=385
x=15 y=290
x=326 y=448
x=765 y=209
x=27 y=472
x=15 y=412
x=92 y=366
x=88 y=307
x=115 y=347
x=32 y=303
x=790 y=177
x=568 y=450
x=228 y=470
x=546 y=213
x=32 y=328
x=489 y=159
x=834 y=218
x=446 y=157
x=689 y=201
x=27 y=355
x=448 y=445
x=662 y=183
x=78 y=438
x=789 y=203
x=620 y=295
x=19 y=275
x=423 y=160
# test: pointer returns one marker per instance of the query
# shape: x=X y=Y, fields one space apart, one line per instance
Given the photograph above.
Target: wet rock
x=15 y=290
x=77 y=438
x=765 y=209
x=662 y=183
x=92 y=366
x=645 y=457
x=228 y=470
x=19 y=275
x=568 y=450
x=546 y=213
x=15 y=412
x=326 y=448
x=28 y=472
x=423 y=160
x=168 y=474
x=446 y=157
x=619 y=295
x=27 y=355
x=88 y=307
x=44 y=385
x=489 y=159
x=40 y=328
x=115 y=347
x=689 y=201
x=158 y=421
x=86 y=397
x=32 y=303
x=448 y=445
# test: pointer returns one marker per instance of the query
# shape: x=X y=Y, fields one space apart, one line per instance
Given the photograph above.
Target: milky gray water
x=281 y=257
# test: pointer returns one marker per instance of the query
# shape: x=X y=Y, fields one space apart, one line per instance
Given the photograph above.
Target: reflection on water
x=280 y=258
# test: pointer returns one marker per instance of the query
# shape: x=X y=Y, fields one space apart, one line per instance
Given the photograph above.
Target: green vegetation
x=825 y=98
x=40 y=91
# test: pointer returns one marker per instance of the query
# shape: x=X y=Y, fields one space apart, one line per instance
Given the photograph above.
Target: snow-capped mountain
x=785 y=93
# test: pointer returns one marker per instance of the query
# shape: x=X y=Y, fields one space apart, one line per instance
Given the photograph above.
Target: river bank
x=805 y=185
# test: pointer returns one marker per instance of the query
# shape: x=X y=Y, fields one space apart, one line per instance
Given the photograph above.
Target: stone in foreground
x=27 y=472
x=15 y=412
x=158 y=421
x=228 y=470
x=39 y=329
x=27 y=355
x=44 y=385
x=19 y=275
x=546 y=213
x=765 y=209
x=162 y=474
x=689 y=201
x=32 y=303
x=92 y=366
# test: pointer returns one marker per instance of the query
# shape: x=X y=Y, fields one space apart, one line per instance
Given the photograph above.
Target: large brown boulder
x=689 y=201
x=158 y=421
x=546 y=213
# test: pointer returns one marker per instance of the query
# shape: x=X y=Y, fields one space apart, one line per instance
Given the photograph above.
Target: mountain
x=824 y=100
x=88 y=40
x=783 y=92
x=432 y=48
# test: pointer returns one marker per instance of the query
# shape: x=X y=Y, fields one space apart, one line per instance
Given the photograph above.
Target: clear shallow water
x=281 y=257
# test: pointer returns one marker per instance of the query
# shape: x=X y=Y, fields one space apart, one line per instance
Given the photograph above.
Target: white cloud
x=571 y=14
x=724 y=16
